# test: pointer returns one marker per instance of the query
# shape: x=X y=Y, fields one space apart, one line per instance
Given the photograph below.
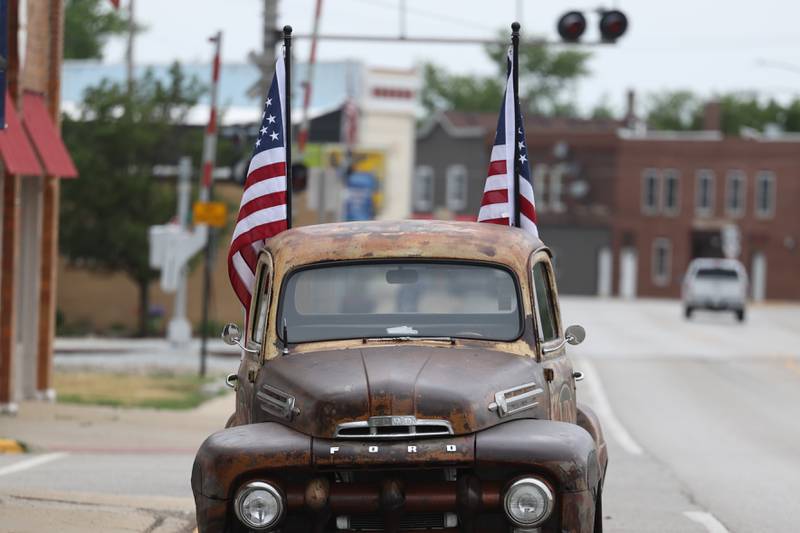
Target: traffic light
x=612 y=25
x=571 y=26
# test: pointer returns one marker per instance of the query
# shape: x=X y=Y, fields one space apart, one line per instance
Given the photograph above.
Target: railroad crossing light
x=613 y=25
x=571 y=26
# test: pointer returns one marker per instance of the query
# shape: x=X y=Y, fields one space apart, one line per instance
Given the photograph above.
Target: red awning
x=15 y=149
x=46 y=138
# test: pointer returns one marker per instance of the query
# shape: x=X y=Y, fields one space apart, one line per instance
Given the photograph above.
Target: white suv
x=716 y=285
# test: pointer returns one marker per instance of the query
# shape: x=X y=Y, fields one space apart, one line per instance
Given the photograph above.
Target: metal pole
x=515 y=78
x=439 y=40
x=129 y=47
x=287 y=93
x=210 y=140
x=402 y=19
x=209 y=258
x=209 y=160
x=312 y=59
x=179 y=329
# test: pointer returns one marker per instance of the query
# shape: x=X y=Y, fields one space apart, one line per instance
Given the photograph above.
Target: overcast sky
x=704 y=45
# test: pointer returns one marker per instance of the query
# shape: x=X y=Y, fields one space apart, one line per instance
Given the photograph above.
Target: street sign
x=212 y=213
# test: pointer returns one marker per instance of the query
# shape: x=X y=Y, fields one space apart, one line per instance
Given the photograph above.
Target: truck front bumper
x=564 y=455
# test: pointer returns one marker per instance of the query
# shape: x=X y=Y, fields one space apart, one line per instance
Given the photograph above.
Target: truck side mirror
x=575 y=334
x=231 y=334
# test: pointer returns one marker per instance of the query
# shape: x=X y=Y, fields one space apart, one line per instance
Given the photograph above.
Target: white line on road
x=30 y=463
x=707 y=520
x=603 y=409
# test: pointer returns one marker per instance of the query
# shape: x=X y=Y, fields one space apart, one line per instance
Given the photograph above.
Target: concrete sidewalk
x=94 y=434
x=46 y=427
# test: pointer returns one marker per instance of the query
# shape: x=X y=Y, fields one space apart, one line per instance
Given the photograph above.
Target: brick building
x=624 y=209
x=33 y=160
x=680 y=196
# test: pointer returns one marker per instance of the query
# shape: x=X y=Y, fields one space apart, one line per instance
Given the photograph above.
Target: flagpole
x=287 y=93
x=515 y=78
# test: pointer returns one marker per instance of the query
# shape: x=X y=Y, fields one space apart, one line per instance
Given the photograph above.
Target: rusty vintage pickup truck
x=403 y=376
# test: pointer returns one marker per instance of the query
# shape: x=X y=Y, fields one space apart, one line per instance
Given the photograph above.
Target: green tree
x=683 y=110
x=746 y=110
x=545 y=79
x=88 y=24
x=106 y=213
x=444 y=91
x=674 y=111
x=602 y=110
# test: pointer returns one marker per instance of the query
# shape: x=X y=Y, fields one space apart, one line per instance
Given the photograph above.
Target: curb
x=11 y=446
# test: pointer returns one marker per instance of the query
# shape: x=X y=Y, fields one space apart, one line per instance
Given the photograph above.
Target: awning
x=15 y=149
x=46 y=138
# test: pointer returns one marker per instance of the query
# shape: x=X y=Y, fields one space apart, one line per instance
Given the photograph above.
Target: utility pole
x=265 y=60
x=312 y=59
x=271 y=35
x=129 y=46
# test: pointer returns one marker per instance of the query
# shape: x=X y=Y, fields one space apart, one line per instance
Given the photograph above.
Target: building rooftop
x=333 y=82
x=479 y=124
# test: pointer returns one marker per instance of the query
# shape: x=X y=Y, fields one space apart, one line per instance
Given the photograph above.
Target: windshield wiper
x=449 y=340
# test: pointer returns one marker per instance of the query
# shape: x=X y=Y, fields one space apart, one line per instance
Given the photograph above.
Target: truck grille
x=410 y=521
x=394 y=427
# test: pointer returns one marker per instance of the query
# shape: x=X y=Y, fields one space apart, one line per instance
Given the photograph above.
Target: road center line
x=603 y=408
x=708 y=521
x=33 y=462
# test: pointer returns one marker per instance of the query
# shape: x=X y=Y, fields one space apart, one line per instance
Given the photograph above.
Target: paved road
x=702 y=419
x=705 y=415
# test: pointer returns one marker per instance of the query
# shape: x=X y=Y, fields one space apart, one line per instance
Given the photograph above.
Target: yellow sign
x=211 y=213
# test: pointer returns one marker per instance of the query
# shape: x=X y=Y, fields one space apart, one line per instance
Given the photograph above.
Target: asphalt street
x=702 y=416
x=702 y=420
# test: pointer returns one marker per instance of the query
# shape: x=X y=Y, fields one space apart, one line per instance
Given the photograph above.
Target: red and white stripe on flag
x=497 y=204
x=262 y=211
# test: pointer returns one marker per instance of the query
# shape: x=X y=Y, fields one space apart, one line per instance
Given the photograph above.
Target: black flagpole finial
x=287 y=31
x=515 y=27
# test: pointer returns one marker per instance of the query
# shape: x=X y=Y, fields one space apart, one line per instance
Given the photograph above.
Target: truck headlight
x=528 y=502
x=259 y=505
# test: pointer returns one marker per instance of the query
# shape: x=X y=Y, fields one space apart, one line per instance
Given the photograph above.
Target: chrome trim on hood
x=276 y=402
x=393 y=427
x=516 y=399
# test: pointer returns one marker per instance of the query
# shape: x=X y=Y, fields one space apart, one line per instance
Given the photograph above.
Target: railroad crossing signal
x=613 y=25
x=571 y=26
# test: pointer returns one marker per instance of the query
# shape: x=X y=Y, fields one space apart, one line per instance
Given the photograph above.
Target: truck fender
x=565 y=452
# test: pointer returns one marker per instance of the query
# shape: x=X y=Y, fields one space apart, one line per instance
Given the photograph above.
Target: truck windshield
x=400 y=299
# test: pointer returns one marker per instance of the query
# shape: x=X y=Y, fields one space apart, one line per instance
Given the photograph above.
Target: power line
x=428 y=14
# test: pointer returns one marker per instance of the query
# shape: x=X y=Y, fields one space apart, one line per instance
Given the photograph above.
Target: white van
x=716 y=285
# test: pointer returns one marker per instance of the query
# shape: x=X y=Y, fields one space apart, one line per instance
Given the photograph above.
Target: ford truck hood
x=457 y=384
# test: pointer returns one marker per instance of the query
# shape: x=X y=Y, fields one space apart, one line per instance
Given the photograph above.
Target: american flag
x=262 y=211
x=497 y=205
